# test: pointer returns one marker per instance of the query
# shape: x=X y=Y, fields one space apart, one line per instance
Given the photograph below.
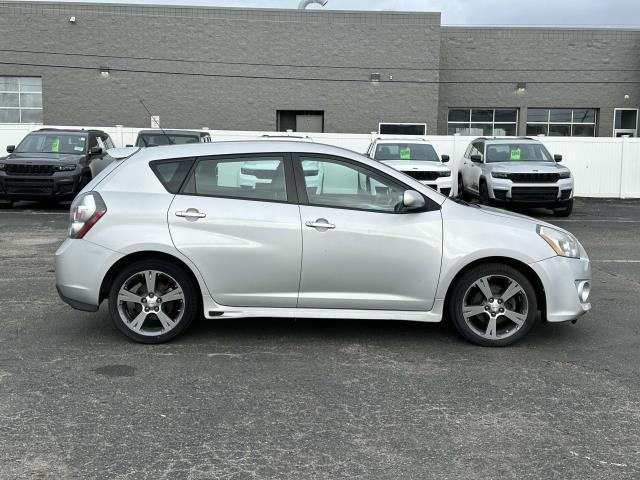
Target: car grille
x=534 y=194
x=534 y=177
x=29 y=169
x=423 y=176
x=28 y=186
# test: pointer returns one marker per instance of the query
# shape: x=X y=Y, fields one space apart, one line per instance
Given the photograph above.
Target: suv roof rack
x=506 y=138
x=78 y=130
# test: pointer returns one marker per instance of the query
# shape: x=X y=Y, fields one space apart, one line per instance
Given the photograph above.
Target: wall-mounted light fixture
x=72 y=20
x=104 y=72
x=521 y=88
x=375 y=77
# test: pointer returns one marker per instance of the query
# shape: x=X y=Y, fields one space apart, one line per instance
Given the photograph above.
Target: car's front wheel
x=493 y=305
x=565 y=211
x=152 y=301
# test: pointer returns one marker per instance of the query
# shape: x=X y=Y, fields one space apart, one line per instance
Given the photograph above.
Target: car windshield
x=53 y=143
x=517 y=152
x=406 y=151
x=157 y=139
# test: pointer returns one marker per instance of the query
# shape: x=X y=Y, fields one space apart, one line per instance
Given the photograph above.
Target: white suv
x=416 y=158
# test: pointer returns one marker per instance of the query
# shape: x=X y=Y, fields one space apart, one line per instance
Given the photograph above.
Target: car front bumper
x=444 y=185
x=533 y=194
x=80 y=268
x=561 y=279
x=61 y=185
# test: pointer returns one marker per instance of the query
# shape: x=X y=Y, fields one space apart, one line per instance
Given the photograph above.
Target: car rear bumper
x=80 y=268
x=34 y=187
x=562 y=279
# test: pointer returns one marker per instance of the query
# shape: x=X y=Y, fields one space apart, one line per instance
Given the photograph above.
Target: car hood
x=42 y=158
x=508 y=214
x=527 y=167
x=416 y=166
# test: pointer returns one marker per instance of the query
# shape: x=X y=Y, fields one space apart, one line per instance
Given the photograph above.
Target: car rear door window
x=249 y=178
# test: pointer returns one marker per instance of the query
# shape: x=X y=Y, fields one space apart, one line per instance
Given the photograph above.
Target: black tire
x=83 y=181
x=189 y=307
x=484 y=194
x=566 y=211
x=461 y=192
x=507 y=332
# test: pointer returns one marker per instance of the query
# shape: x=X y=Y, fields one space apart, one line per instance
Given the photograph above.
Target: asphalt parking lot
x=274 y=398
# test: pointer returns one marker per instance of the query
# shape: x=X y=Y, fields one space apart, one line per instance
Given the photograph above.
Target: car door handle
x=191 y=214
x=321 y=224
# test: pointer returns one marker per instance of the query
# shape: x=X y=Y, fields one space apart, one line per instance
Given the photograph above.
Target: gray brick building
x=336 y=71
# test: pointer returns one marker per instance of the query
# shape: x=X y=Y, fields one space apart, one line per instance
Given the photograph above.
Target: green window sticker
x=515 y=154
x=405 y=153
x=55 y=145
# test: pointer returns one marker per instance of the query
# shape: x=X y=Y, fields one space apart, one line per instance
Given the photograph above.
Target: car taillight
x=86 y=210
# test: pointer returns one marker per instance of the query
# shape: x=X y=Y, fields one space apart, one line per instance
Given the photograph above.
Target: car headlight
x=445 y=174
x=566 y=174
x=563 y=244
x=65 y=168
x=500 y=175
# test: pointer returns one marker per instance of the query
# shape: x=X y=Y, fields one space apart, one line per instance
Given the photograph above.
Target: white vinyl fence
x=602 y=167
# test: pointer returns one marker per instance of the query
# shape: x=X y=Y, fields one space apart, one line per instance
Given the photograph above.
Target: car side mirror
x=557 y=158
x=10 y=148
x=445 y=158
x=412 y=200
x=476 y=158
x=95 y=151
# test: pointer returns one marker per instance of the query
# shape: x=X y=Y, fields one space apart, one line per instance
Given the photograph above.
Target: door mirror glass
x=445 y=158
x=476 y=158
x=11 y=148
x=557 y=158
x=96 y=151
x=412 y=200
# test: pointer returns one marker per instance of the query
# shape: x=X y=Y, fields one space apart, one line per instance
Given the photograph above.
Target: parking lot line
x=30 y=212
x=615 y=261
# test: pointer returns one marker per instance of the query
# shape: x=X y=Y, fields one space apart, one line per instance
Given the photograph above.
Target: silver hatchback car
x=166 y=234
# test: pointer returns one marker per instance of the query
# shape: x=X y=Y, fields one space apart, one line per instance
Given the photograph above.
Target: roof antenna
x=161 y=129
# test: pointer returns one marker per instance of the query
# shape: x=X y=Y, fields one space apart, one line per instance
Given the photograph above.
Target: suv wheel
x=461 y=193
x=83 y=181
x=152 y=301
x=484 y=194
x=493 y=305
x=566 y=211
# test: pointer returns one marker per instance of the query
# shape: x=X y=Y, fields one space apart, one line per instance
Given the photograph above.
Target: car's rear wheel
x=152 y=301
x=493 y=305
x=566 y=211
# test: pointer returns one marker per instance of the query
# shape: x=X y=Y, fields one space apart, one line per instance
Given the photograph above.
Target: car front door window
x=339 y=184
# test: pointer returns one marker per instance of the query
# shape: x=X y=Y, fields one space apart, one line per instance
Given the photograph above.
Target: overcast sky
x=471 y=12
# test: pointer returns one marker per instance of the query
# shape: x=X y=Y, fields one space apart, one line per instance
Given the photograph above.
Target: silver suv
x=173 y=232
x=515 y=171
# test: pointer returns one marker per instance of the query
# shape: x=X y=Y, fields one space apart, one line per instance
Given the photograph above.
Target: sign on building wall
x=155 y=121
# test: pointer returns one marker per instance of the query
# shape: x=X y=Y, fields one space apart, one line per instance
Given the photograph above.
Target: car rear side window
x=172 y=173
x=247 y=178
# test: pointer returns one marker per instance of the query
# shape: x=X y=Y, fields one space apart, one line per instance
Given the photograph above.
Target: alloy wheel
x=495 y=307
x=151 y=303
